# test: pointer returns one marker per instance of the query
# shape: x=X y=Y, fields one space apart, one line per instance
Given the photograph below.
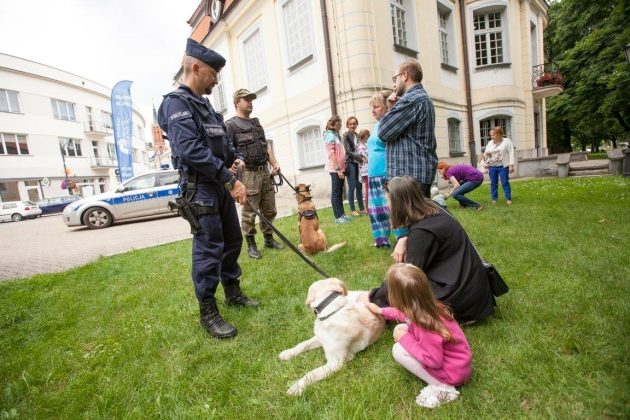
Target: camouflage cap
x=243 y=93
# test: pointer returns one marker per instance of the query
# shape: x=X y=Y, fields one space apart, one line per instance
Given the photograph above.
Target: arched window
x=311 y=147
x=454 y=139
x=488 y=124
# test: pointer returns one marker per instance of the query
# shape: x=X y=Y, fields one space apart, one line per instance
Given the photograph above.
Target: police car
x=144 y=195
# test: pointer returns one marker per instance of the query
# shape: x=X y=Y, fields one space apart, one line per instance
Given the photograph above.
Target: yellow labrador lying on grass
x=343 y=327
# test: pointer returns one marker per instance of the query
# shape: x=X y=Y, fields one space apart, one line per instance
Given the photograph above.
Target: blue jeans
x=496 y=172
x=465 y=187
x=336 y=196
x=354 y=184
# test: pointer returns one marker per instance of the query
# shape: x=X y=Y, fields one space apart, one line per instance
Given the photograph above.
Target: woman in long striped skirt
x=377 y=176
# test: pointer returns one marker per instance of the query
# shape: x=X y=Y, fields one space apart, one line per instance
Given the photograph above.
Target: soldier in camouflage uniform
x=248 y=138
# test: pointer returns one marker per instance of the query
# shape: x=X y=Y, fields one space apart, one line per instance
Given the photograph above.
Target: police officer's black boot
x=271 y=243
x=252 y=251
x=212 y=321
x=235 y=296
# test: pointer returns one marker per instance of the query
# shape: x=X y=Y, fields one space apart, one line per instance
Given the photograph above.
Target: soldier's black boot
x=271 y=243
x=235 y=296
x=252 y=251
x=212 y=321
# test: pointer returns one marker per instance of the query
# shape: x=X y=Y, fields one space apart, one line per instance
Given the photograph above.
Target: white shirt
x=501 y=154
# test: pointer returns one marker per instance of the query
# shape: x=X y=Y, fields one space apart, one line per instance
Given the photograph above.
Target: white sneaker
x=433 y=395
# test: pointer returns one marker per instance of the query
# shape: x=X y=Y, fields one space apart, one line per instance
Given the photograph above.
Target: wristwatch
x=230 y=184
x=337 y=169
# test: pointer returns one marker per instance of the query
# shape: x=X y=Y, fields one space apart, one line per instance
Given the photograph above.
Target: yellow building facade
x=309 y=59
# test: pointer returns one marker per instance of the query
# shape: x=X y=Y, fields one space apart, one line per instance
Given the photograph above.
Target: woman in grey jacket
x=353 y=158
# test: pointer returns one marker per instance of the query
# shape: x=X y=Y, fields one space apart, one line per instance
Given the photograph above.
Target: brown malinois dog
x=312 y=238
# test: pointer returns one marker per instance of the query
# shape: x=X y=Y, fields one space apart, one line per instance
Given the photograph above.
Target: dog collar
x=322 y=305
x=308 y=214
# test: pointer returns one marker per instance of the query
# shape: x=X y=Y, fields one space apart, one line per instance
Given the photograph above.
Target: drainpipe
x=471 y=135
x=329 y=68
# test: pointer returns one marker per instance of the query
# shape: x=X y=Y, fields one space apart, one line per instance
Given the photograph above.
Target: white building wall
x=36 y=84
x=364 y=59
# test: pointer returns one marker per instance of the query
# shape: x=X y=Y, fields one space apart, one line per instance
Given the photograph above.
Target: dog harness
x=322 y=305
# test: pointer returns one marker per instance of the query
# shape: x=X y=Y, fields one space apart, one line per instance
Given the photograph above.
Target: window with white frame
x=9 y=101
x=13 y=144
x=446 y=33
x=454 y=140
x=111 y=151
x=107 y=119
x=70 y=147
x=489 y=28
x=95 y=149
x=443 y=31
x=311 y=147
x=254 y=55
x=218 y=97
x=399 y=26
x=134 y=154
x=63 y=110
x=298 y=27
x=488 y=124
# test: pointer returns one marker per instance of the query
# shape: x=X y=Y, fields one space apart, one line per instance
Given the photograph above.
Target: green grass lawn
x=597 y=155
x=119 y=338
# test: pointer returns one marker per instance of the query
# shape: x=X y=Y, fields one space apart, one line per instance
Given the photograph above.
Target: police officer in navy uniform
x=207 y=164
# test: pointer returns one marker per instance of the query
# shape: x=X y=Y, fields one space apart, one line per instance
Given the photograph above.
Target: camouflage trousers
x=260 y=196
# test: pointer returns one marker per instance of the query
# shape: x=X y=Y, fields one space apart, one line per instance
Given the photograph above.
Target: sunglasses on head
x=386 y=183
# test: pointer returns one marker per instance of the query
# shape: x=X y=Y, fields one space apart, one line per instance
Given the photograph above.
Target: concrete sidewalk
x=47 y=245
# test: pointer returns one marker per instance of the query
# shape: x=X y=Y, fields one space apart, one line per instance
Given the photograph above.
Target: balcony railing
x=546 y=75
x=98 y=128
x=103 y=162
x=546 y=80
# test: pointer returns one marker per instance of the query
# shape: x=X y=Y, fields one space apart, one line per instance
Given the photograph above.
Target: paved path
x=47 y=245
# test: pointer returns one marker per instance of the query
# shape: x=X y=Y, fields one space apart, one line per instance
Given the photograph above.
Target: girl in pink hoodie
x=430 y=344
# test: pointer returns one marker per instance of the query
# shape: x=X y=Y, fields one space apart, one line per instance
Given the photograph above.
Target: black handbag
x=497 y=284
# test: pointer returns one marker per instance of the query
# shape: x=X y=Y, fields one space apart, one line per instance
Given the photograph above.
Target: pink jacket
x=449 y=362
x=334 y=146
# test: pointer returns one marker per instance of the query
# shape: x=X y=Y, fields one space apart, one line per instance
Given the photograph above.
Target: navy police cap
x=211 y=58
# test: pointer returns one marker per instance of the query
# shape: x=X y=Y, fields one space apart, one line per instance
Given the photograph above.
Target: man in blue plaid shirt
x=408 y=128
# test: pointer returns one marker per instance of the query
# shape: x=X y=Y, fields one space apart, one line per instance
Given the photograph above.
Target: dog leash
x=284 y=238
x=290 y=245
x=279 y=183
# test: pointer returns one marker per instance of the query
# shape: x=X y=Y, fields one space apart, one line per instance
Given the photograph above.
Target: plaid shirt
x=408 y=129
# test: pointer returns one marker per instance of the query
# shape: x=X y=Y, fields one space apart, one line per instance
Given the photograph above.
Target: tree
x=586 y=39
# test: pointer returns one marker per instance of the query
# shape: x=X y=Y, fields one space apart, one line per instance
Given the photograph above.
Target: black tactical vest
x=249 y=140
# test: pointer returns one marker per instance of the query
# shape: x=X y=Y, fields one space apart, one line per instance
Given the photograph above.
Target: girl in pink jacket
x=429 y=343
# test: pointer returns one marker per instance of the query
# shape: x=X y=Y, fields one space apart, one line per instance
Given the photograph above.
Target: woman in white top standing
x=499 y=155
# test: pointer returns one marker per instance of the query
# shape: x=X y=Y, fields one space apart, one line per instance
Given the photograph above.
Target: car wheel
x=97 y=218
x=16 y=217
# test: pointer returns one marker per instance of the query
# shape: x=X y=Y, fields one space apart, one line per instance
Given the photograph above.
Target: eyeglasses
x=396 y=77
